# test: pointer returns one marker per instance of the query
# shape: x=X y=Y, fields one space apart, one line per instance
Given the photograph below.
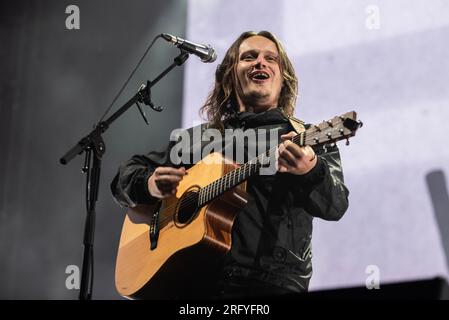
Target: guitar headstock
x=338 y=128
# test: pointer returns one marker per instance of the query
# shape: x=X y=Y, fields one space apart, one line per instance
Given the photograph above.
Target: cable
x=129 y=78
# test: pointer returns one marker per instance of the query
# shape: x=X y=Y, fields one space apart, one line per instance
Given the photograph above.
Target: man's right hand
x=164 y=181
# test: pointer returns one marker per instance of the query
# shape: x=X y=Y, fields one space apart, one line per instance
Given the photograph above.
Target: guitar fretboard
x=333 y=130
x=242 y=173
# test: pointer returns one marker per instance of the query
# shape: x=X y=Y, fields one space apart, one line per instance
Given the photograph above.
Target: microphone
x=205 y=52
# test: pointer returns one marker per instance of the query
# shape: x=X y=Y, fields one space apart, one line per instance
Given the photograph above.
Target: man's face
x=258 y=75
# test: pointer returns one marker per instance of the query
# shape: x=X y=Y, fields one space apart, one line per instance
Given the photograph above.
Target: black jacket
x=271 y=237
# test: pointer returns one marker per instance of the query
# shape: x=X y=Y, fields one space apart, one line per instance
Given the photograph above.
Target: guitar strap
x=297 y=124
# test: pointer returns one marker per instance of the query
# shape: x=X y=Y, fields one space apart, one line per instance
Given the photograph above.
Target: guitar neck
x=231 y=179
x=336 y=129
x=244 y=172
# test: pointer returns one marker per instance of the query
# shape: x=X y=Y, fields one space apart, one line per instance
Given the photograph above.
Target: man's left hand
x=293 y=158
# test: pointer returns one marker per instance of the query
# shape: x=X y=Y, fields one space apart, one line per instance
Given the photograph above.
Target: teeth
x=260 y=75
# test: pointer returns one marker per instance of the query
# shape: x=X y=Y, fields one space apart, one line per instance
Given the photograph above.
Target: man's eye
x=272 y=58
x=248 y=57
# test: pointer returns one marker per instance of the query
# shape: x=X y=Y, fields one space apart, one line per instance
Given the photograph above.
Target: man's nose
x=260 y=62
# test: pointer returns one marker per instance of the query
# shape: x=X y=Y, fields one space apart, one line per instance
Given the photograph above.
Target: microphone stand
x=94 y=148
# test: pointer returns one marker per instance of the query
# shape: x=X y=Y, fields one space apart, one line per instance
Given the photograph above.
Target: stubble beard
x=256 y=98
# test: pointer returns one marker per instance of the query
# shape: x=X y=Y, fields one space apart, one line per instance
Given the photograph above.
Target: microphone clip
x=144 y=94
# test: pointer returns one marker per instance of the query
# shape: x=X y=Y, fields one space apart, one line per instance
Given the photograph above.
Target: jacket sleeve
x=324 y=194
x=129 y=187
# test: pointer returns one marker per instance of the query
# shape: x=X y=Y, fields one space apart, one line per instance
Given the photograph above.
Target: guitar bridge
x=154 y=229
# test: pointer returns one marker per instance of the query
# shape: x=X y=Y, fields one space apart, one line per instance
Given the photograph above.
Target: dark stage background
x=55 y=84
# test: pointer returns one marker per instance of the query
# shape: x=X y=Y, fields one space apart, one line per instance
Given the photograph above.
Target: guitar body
x=190 y=242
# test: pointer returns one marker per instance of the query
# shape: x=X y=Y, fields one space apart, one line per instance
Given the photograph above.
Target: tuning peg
x=347 y=142
x=360 y=123
x=329 y=122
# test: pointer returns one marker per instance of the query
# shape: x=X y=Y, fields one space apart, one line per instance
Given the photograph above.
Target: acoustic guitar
x=172 y=249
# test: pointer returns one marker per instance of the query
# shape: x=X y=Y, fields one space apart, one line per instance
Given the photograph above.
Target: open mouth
x=259 y=76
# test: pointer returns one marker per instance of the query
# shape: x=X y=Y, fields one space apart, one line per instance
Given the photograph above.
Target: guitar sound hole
x=188 y=207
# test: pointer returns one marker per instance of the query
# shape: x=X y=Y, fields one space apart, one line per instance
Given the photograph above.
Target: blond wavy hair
x=222 y=100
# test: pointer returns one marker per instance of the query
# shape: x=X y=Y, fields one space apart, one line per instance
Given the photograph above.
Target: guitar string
x=310 y=137
x=191 y=200
x=223 y=178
